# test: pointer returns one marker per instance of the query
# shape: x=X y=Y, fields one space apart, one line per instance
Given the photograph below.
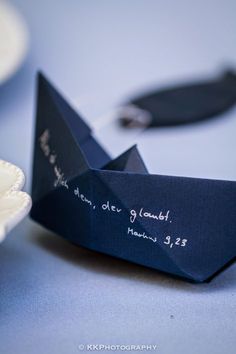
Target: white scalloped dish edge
x=14 y=204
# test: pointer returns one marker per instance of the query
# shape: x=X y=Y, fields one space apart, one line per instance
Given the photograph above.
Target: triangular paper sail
x=183 y=226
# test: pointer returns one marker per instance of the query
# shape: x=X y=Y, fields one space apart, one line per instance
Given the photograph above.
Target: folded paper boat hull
x=182 y=226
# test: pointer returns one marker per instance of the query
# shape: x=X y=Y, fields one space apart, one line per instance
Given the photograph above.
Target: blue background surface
x=55 y=296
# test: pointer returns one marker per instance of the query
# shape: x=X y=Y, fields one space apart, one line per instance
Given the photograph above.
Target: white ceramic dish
x=14 y=204
x=14 y=39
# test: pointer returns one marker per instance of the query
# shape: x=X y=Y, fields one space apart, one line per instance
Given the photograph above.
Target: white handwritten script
x=147 y=214
x=52 y=158
x=135 y=214
x=132 y=232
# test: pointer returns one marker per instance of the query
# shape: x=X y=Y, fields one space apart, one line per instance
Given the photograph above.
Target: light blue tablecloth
x=55 y=296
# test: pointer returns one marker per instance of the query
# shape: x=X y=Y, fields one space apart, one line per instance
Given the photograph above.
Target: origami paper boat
x=14 y=204
x=183 y=226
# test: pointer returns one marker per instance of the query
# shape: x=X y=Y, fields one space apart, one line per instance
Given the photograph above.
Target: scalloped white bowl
x=14 y=204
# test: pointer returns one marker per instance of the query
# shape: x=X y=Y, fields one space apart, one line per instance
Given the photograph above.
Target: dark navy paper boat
x=183 y=226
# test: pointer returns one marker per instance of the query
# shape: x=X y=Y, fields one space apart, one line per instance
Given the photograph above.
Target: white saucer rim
x=15 y=190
